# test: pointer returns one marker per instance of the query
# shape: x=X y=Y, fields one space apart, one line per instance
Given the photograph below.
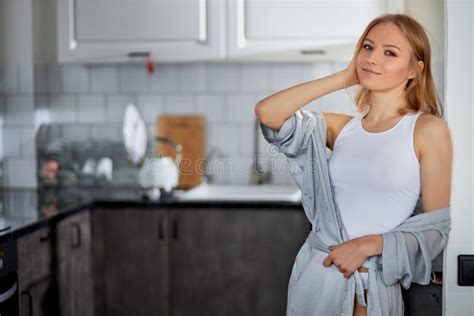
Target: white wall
x=459 y=85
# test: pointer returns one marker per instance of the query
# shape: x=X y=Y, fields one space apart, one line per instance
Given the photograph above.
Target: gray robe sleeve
x=293 y=137
x=409 y=249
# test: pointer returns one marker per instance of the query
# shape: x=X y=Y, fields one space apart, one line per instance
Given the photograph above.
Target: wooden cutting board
x=189 y=131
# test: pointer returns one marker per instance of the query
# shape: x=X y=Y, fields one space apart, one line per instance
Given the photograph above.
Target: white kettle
x=161 y=172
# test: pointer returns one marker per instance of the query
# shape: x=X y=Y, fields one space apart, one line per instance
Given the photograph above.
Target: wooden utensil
x=189 y=131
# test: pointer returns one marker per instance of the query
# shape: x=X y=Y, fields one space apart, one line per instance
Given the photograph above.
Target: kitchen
x=88 y=224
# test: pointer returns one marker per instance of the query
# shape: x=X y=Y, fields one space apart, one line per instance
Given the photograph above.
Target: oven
x=9 y=302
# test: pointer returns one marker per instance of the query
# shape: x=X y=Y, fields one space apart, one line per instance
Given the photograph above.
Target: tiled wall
x=91 y=99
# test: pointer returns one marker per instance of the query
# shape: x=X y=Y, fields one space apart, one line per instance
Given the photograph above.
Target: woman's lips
x=371 y=72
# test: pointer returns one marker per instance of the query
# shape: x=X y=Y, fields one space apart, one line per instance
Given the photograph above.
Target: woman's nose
x=373 y=58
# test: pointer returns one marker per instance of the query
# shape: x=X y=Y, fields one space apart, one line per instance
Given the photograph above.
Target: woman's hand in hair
x=351 y=74
x=348 y=256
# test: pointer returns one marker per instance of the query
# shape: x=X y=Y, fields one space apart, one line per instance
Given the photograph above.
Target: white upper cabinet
x=299 y=29
x=200 y=30
x=112 y=31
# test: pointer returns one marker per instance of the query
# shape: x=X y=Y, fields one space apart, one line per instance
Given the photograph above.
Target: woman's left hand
x=348 y=256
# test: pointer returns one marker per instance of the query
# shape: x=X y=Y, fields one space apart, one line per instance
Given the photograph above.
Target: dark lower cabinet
x=135 y=262
x=194 y=261
x=233 y=261
x=172 y=261
x=74 y=265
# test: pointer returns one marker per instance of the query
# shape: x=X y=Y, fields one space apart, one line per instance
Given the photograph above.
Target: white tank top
x=375 y=176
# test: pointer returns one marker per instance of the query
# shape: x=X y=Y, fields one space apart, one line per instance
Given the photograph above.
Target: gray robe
x=408 y=249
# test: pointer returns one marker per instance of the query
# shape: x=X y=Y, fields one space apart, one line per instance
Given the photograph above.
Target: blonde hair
x=420 y=92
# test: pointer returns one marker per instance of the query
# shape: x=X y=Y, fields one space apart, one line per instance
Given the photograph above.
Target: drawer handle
x=30 y=301
x=175 y=229
x=8 y=293
x=160 y=228
x=75 y=238
x=45 y=237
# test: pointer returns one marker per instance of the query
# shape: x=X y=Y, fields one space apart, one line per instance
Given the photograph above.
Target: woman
x=383 y=159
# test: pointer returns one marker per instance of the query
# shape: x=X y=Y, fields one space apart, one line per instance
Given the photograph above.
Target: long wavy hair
x=420 y=92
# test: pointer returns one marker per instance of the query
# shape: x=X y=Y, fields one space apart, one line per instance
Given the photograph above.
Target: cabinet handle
x=202 y=21
x=45 y=237
x=138 y=54
x=175 y=229
x=160 y=228
x=241 y=39
x=27 y=293
x=75 y=242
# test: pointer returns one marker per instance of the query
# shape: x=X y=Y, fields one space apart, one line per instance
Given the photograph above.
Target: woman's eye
x=387 y=50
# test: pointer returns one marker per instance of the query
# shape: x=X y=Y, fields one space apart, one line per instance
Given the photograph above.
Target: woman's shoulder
x=429 y=129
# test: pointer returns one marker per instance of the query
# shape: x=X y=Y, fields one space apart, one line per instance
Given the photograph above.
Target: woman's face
x=389 y=62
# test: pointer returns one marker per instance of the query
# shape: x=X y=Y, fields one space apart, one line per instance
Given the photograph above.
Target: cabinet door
x=275 y=237
x=136 y=262
x=209 y=268
x=287 y=27
x=233 y=261
x=75 y=278
x=108 y=30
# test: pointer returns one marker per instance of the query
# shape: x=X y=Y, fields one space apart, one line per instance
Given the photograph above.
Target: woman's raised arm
x=275 y=109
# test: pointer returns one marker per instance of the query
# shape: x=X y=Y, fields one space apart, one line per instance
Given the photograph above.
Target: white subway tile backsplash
x=284 y=75
x=26 y=78
x=180 y=104
x=54 y=78
x=28 y=141
x=254 y=77
x=19 y=110
x=62 y=108
x=241 y=107
x=212 y=106
x=226 y=93
x=104 y=78
x=12 y=144
x=193 y=77
x=91 y=109
x=2 y=110
x=225 y=137
x=246 y=138
x=133 y=78
x=75 y=78
x=240 y=170
x=116 y=104
x=9 y=79
x=165 y=78
x=41 y=78
x=223 y=77
x=320 y=70
x=20 y=172
x=151 y=106
x=42 y=113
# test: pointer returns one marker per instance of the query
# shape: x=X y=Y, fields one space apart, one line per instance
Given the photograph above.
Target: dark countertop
x=24 y=210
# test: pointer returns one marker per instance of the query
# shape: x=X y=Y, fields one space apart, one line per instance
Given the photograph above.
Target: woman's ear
x=413 y=74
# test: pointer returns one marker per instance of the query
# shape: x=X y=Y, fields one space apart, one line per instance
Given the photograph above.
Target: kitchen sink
x=223 y=192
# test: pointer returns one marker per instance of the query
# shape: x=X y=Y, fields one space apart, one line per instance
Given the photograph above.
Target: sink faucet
x=258 y=176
